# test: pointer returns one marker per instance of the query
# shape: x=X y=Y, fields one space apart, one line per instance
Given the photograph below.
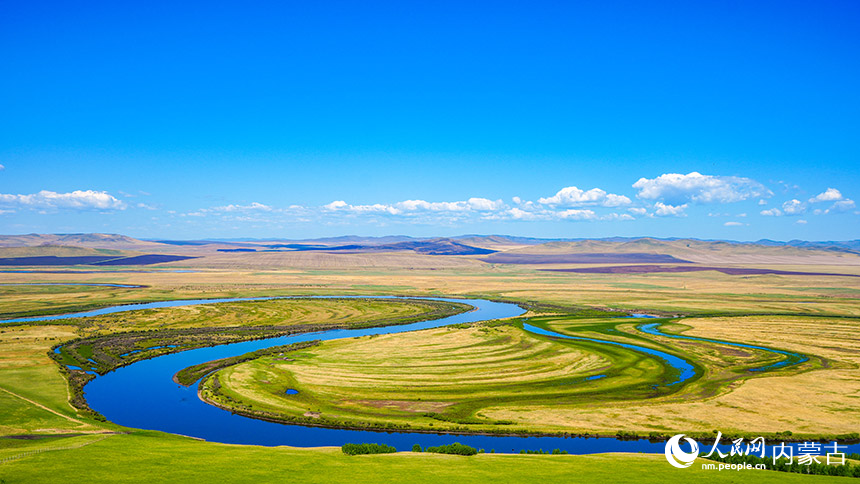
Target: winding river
x=791 y=358
x=143 y=395
x=684 y=368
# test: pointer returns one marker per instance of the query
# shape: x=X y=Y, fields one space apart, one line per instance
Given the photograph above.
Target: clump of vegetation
x=77 y=380
x=457 y=420
x=358 y=449
x=543 y=452
x=189 y=375
x=456 y=448
x=103 y=353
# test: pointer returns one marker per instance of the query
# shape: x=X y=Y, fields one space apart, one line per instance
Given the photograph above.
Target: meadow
x=147 y=456
x=814 y=315
x=498 y=378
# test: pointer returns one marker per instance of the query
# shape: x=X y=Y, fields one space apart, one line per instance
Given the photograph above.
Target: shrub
x=357 y=449
x=455 y=448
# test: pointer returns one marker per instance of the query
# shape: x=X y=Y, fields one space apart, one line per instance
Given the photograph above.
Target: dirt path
x=44 y=407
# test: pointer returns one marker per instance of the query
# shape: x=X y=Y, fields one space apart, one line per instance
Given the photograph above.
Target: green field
x=498 y=378
x=481 y=377
x=151 y=457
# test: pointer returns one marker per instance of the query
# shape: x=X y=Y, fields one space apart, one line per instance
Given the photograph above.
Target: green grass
x=149 y=456
x=155 y=457
x=447 y=378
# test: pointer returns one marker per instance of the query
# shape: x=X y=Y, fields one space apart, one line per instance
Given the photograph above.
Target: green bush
x=455 y=448
x=357 y=449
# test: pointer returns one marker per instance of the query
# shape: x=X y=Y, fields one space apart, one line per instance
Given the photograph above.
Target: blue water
x=143 y=395
x=136 y=307
x=73 y=367
x=147 y=349
x=791 y=359
x=684 y=368
x=68 y=284
x=120 y=271
x=291 y=391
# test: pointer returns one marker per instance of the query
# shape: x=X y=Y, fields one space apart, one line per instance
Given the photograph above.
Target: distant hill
x=583 y=258
x=95 y=241
x=437 y=247
x=846 y=245
x=428 y=247
x=60 y=251
x=496 y=249
x=694 y=250
x=53 y=260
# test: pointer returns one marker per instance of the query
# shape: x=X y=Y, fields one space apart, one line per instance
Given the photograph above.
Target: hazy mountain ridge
x=687 y=249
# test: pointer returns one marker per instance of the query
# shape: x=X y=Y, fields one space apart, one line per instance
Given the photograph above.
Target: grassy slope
x=39 y=399
x=154 y=457
x=478 y=377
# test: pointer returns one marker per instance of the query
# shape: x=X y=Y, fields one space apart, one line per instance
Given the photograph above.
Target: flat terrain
x=499 y=378
x=142 y=456
x=494 y=373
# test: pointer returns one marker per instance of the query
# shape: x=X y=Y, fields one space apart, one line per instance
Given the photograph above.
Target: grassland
x=33 y=391
x=814 y=315
x=498 y=378
x=150 y=457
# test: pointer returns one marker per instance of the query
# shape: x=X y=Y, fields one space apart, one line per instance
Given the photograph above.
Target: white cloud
x=771 y=212
x=483 y=204
x=801 y=222
x=733 y=224
x=675 y=188
x=575 y=214
x=762 y=202
x=574 y=197
x=829 y=195
x=336 y=205
x=519 y=214
x=376 y=207
x=242 y=208
x=842 y=206
x=2 y=167
x=617 y=216
x=793 y=207
x=663 y=210
x=76 y=200
x=637 y=211
x=414 y=206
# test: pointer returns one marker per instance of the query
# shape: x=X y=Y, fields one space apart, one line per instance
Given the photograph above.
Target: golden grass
x=823 y=401
x=279 y=312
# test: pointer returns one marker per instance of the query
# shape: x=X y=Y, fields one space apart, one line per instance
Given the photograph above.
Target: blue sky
x=734 y=120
